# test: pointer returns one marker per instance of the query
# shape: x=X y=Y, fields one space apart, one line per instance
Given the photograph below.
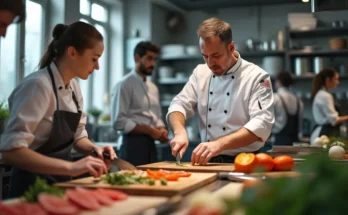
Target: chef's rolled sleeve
x=28 y=107
x=121 y=104
x=261 y=108
x=186 y=101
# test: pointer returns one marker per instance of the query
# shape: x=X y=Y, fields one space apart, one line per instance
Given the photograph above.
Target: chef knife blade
x=178 y=158
x=119 y=163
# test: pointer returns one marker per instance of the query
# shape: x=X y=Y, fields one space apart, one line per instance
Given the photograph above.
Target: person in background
x=232 y=97
x=288 y=112
x=11 y=11
x=325 y=110
x=136 y=110
x=46 y=118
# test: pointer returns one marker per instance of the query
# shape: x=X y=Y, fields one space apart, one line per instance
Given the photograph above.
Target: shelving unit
x=172 y=80
x=318 y=32
x=329 y=53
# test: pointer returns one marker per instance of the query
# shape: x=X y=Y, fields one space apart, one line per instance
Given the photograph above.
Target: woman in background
x=46 y=119
x=325 y=112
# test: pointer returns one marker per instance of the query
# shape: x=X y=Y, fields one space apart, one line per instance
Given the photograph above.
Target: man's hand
x=155 y=133
x=164 y=134
x=204 y=151
x=179 y=144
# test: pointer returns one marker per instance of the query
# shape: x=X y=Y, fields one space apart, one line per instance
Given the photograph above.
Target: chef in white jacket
x=325 y=110
x=232 y=97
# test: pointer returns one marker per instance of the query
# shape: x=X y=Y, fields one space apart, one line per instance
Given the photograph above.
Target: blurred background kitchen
x=277 y=35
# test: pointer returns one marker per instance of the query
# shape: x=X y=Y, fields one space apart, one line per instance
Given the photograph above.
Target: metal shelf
x=172 y=81
x=182 y=57
x=319 y=32
x=343 y=52
x=262 y=54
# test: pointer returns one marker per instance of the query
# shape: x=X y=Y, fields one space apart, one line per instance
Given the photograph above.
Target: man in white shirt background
x=136 y=110
x=232 y=97
x=288 y=112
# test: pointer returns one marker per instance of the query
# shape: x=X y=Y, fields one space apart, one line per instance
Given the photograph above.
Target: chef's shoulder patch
x=265 y=83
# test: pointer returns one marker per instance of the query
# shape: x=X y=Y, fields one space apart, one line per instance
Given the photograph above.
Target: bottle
x=280 y=41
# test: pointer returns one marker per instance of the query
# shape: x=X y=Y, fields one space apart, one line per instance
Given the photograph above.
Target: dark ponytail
x=79 y=35
x=319 y=80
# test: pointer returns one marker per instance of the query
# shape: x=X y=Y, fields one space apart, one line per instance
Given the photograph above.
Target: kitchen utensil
x=272 y=65
x=165 y=71
x=320 y=63
x=302 y=66
x=182 y=186
x=239 y=177
x=119 y=163
x=192 y=50
x=178 y=158
x=186 y=166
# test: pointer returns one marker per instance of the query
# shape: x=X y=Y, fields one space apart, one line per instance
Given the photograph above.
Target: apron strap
x=54 y=85
x=75 y=101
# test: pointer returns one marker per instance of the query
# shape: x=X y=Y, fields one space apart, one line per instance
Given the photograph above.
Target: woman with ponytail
x=46 y=119
x=325 y=112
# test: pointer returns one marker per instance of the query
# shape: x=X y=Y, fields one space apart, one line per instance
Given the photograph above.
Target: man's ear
x=72 y=52
x=137 y=58
x=231 y=47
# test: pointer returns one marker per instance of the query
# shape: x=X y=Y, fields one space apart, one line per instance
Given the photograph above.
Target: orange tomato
x=283 y=163
x=346 y=156
x=245 y=162
x=264 y=161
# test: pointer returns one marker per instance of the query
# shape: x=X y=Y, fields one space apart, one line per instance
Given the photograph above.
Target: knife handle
x=105 y=154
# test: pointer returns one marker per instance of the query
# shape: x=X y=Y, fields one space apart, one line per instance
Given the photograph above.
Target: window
x=8 y=62
x=95 y=88
x=34 y=27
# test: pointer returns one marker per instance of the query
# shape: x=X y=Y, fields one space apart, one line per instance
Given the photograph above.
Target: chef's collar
x=58 y=78
x=138 y=76
x=236 y=66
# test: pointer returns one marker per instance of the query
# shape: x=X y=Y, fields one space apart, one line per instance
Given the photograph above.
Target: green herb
x=163 y=181
x=124 y=179
x=41 y=186
x=151 y=182
x=4 y=112
x=95 y=112
x=181 y=164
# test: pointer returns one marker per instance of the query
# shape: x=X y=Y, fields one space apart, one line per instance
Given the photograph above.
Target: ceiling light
x=305 y=0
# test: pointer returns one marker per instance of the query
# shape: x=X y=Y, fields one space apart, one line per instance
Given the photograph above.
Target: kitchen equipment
x=272 y=65
x=319 y=63
x=180 y=75
x=192 y=50
x=302 y=21
x=342 y=69
x=280 y=41
x=170 y=165
x=302 y=66
x=338 y=43
x=239 y=177
x=182 y=186
x=119 y=163
x=165 y=71
x=172 y=50
x=178 y=158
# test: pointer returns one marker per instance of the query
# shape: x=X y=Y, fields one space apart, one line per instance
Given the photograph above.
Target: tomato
x=57 y=205
x=265 y=161
x=113 y=194
x=171 y=177
x=22 y=209
x=183 y=174
x=245 y=162
x=346 y=156
x=283 y=163
x=82 y=200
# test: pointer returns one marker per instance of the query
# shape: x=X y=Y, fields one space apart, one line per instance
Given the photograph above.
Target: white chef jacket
x=135 y=102
x=290 y=101
x=324 y=111
x=32 y=105
x=241 y=98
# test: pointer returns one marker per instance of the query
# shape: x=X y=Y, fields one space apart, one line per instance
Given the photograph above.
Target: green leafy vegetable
x=181 y=164
x=163 y=181
x=151 y=182
x=41 y=186
x=4 y=112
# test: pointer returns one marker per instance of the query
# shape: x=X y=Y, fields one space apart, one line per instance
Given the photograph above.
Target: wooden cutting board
x=182 y=186
x=133 y=205
x=170 y=165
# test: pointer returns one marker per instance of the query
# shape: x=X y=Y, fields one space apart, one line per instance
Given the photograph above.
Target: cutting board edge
x=189 y=170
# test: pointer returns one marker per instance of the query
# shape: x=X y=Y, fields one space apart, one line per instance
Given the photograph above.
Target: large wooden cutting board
x=133 y=205
x=210 y=167
x=182 y=186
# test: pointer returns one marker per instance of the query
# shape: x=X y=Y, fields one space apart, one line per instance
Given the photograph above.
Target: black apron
x=138 y=149
x=289 y=134
x=58 y=145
